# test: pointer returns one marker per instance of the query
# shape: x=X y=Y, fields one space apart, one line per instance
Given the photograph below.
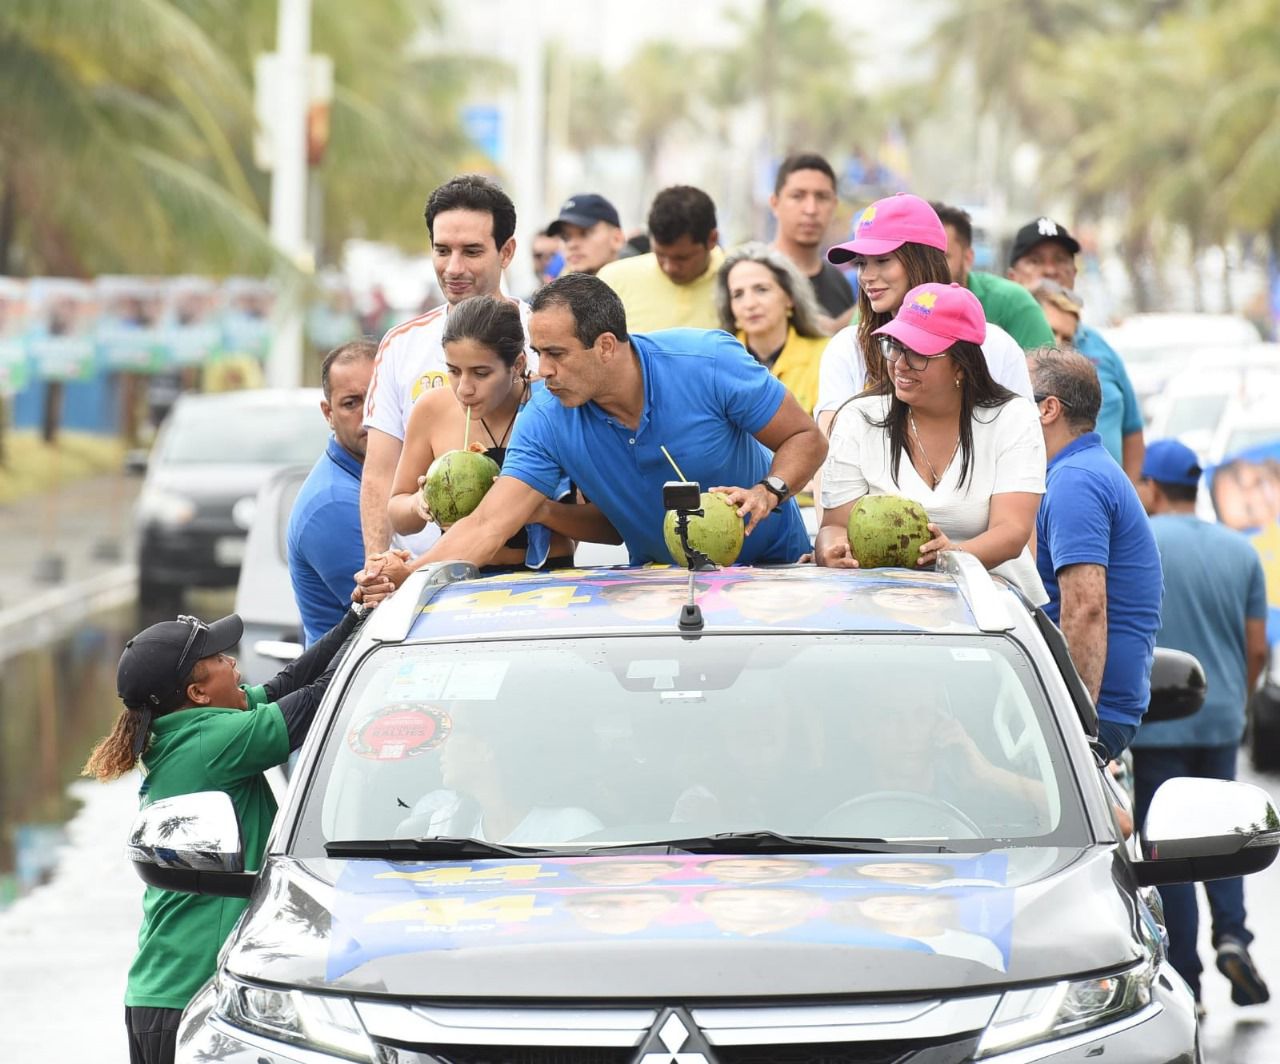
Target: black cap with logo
x=1039 y=231
x=158 y=659
x=584 y=211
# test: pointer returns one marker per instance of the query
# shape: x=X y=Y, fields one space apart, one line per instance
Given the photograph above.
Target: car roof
x=253 y=397
x=787 y=598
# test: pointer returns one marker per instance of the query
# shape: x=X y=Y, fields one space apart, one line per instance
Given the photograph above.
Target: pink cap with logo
x=888 y=224
x=934 y=316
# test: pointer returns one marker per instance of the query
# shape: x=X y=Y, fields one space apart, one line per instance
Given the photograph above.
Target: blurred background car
x=202 y=477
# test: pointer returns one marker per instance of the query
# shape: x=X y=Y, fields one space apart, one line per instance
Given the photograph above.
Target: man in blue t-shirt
x=1215 y=607
x=613 y=402
x=324 y=543
x=1095 y=552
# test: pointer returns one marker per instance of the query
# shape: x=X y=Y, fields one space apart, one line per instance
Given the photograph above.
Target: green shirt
x=193 y=750
x=1007 y=304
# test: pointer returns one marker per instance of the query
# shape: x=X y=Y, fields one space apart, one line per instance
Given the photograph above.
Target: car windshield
x=629 y=741
x=253 y=434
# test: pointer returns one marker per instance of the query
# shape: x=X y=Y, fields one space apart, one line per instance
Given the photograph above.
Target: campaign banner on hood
x=60 y=337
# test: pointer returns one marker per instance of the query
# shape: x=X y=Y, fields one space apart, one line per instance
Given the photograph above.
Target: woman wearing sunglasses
x=938 y=429
x=898 y=243
x=190 y=725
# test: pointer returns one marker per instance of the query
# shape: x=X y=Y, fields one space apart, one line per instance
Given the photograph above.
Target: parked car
x=264 y=592
x=837 y=814
x=1262 y=734
x=197 y=502
x=1156 y=347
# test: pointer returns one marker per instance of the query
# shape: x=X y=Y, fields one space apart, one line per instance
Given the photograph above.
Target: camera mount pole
x=691 y=613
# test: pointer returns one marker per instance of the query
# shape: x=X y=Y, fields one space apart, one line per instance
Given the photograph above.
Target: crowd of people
x=884 y=365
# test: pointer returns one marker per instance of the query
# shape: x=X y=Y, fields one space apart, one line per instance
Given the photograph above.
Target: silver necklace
x=925 y=454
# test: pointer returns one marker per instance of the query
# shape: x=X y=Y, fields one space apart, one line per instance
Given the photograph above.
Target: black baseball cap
x=584 y=211
x=158 y=659
x=1038 y=232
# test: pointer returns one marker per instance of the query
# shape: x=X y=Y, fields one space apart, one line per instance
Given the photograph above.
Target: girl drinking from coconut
x=484 y=344
x=939 y=430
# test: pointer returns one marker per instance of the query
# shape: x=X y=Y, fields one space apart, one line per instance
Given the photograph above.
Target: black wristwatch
x=779 y=488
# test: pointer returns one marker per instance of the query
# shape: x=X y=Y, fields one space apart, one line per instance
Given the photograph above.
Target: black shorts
x=153 y=1034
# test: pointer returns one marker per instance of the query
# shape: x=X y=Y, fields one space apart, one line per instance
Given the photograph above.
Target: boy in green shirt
x=191 y=726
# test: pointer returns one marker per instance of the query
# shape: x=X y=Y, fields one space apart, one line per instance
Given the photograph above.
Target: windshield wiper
x=773 y=842
x=431 y=846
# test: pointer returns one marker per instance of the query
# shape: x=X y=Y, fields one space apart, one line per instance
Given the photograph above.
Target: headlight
x=242 y=512
x=313 y=1021
x=1041 y=1013
x=165 y=508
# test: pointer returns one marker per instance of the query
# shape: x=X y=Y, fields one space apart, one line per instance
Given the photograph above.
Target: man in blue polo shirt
x=612 y=402
x=1215 y=607
x=1096 y=555
x=324 y=542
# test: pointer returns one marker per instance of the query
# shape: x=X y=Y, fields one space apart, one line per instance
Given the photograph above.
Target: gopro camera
x=682 y=495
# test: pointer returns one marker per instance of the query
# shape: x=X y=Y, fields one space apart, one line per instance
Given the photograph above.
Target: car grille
x=897 y=1051
x=507 y=1055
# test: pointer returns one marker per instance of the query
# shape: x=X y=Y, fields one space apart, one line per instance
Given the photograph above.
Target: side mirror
x=1200 y=829
x=1178 y=685
x=191 y=843
x=135 y=462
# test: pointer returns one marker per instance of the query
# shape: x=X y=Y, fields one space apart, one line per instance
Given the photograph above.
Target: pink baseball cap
x=934 y=316
x=888 y=224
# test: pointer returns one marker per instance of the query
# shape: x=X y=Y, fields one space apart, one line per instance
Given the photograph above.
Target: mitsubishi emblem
x=674 y=1039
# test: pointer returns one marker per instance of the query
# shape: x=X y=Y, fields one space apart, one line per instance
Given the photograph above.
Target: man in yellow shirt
x=674 y=285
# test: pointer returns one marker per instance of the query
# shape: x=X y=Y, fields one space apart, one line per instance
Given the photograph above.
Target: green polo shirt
x=1007 y=304
x=193 y=750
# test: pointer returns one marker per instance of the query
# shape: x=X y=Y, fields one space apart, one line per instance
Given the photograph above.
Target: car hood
x=687 y=927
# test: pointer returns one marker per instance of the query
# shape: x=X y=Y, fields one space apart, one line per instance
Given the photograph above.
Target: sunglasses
x=1041 y=398
x=197 y=626
x=892 y=350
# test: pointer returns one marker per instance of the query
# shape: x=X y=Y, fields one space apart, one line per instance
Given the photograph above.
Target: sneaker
x=1247 y=987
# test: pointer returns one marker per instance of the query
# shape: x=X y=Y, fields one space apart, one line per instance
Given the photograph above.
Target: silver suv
x=828 y=816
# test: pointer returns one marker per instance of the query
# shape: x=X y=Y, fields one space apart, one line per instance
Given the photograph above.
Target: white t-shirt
x=410 y=361
x=1008 y=455
x=842 y=372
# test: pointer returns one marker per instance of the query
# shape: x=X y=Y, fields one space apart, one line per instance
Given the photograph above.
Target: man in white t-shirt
x=471 y=223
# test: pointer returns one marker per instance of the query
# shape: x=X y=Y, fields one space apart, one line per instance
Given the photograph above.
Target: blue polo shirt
x=324 y=543
x=1091 y=515
x=1120 y=414
x=704 y=399
x=1212 y=582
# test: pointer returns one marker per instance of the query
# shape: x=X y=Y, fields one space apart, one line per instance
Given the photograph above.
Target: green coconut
x=717 y=533
x=456 y=482
x=887 y=530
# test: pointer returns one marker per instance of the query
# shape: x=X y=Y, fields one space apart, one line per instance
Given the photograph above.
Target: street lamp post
x=289 y=182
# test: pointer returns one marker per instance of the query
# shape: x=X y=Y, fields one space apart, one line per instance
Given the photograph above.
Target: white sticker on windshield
x=475 y=681
x=416 y=681
x=970 y=654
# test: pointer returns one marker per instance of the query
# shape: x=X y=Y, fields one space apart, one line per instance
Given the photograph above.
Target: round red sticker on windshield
x=399 y=730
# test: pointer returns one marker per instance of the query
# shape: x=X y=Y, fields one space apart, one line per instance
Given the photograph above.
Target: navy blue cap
x=584 y=211
x=1171 y=462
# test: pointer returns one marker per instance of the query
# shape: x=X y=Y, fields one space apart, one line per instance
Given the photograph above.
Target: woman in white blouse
x=940 y=431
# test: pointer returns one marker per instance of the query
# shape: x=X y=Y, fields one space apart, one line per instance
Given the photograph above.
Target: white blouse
x=1008 y=456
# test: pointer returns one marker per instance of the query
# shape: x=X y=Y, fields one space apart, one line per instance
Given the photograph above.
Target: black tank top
x=520 y=541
